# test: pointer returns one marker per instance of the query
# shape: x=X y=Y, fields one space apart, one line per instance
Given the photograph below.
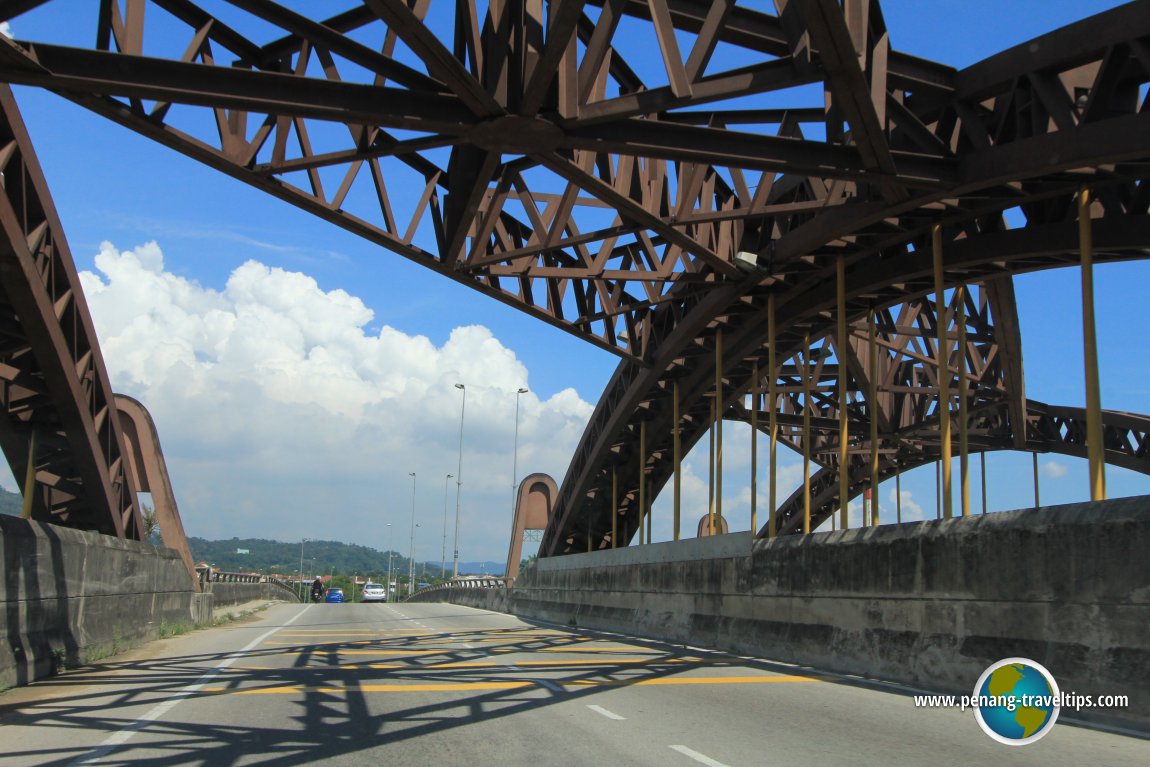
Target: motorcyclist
x=317 y=590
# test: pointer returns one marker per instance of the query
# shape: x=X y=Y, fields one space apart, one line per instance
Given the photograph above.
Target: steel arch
x=643 y=209
x=59 y=427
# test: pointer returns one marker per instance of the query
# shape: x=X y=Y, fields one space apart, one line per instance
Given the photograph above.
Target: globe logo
x=1016 y=701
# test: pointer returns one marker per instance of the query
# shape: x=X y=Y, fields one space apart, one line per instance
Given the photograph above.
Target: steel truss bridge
x=760 y=209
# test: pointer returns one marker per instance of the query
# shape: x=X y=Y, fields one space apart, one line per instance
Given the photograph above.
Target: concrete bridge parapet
x=71 y=596
x=928 y=604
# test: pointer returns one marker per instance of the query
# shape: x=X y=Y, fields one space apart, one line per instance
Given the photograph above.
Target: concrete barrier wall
x=70 y=597
x=930 y=604
x=231 y=594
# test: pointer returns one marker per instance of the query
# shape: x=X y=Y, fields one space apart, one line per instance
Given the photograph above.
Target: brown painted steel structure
x=59 y=424
x=645 y=208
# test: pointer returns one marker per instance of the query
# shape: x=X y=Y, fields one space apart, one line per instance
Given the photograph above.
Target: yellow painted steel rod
x=711 y=477
x=756 y=397
x=806 y=433
x=943 y=369
x=678 y=451
x=897 y=493
x=614 y=508
x=772 y=403
x=1095 y=450
x=716 y=524
x=872 y=395
x=643 y=478
x=844 y=437
x=963 y=391
x=29 y=478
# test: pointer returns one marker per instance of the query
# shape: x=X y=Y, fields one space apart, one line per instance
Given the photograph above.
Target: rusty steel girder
x=643 y=208
x=593 y=192
x=59 y=429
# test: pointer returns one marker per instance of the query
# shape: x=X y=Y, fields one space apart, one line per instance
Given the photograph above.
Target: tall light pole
x=515 y=454
x=443 y=549
x=459 y=480
x=302 y=541
x=411 y=551
x=389 y=590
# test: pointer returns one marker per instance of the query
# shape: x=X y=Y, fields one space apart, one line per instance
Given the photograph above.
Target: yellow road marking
x=594 y=649
x=513 y=664
x=388 y=652
x=328 y=634
x=692 y=680
x=467 y=686
x=460 y=687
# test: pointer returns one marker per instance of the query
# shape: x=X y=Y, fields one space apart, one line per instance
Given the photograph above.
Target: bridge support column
x=718 y=427
x=943 y=369
x=643 y=516
x=615 y=507
x=806 y=433
x=844 y=422
x=772 y=385
x=755 y=403
x=872 y=396
x=1094 y=446
x=963 y=386
x=678 y=450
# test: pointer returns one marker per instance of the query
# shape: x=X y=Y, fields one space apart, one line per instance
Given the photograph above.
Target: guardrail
x=207 y=576
x=462 y=583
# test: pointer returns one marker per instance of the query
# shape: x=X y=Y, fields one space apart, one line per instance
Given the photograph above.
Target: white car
x=373 y=592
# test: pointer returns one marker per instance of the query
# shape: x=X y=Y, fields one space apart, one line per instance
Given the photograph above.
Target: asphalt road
x=430 y=684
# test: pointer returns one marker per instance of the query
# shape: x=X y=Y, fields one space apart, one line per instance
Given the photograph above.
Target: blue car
x=333 y=595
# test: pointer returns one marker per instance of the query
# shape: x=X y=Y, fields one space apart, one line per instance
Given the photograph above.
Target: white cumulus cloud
x=1053 y=469
x=281 y=416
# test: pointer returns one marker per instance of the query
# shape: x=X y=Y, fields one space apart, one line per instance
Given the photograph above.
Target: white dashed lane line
x=700 y=758
x=606 y=713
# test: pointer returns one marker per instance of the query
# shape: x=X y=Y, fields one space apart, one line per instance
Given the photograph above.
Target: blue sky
x=299 y=443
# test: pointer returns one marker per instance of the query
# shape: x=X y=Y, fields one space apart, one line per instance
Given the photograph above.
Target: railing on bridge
x=209 y=575
x=463 y=583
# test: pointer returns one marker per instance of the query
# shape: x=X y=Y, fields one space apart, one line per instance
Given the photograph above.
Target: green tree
x=151 y=525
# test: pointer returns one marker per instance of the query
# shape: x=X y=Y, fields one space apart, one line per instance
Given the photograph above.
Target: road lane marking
x=554 y=685
x=122 y=736
x=700 y=758
x=442 y=687
x=606 y=713
x=672 y=681
x=390 y=652
x=577 y=648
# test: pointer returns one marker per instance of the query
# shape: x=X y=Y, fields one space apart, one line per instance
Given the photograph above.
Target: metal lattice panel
x=643 y=207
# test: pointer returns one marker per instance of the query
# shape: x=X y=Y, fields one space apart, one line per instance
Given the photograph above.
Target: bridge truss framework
x=769 y=186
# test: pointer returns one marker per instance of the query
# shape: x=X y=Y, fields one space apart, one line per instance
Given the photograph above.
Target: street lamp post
x=515 y=454
x=389 y=591
x=411 y=551
x=443 y=549
x=302 y=541
x=459 y=480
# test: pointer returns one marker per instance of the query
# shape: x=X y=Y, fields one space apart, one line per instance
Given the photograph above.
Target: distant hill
x=264 y=556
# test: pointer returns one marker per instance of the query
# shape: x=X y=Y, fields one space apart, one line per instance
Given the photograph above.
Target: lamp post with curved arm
x=443 y=549
x=411 y=550
x=389 y=581
x=302 y=541
x=459 y=480
x=515 y=454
